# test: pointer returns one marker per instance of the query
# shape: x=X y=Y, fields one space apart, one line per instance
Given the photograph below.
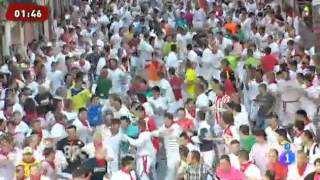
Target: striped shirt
x=219 y=104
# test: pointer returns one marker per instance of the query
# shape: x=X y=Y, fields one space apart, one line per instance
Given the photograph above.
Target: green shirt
x=247 y=142
x=252 y=62
x=233 y=61
x=103 y=87
x=167 y=48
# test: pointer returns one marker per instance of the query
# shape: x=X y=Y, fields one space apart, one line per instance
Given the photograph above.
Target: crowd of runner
x=173 y=90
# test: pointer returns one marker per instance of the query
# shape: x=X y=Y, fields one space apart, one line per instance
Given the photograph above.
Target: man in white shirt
x=117 y=77
x=21 y=126
x=240 y=117
x=127 y=170
x=83 y=127
x=248 y=168
x=300 y=169
x=58 y=130
x=114 y=141
x=170 y=133
x=234 y=159
x=172 y=58
x=120 y=109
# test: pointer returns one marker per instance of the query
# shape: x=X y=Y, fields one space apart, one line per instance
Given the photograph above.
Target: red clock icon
x=27 y=12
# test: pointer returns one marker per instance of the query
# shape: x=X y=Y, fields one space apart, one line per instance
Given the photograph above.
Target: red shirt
x=229 y=87
x=280 y=170
x=185 y=124
x=268 y=62
x=176 y=84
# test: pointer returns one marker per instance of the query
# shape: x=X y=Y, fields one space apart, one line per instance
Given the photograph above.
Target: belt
x=284 y=104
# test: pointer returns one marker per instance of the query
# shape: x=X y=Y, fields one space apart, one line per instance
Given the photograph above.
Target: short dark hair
x=299 y=125
x=316 y=161
x=125 y=118
x=227 y=117
x=267 y=50
x=244 y=129
x=244 y=154
x=225 y=157
x=72 y=127
x=260 y=133
x=183 y=150
x=47 y=151
x=127 y=160
x=263 y=85
x=82 y=110
x=234 y=142
x=308 y=134
x=302 y=112
x=168 y=115
x=156 y=88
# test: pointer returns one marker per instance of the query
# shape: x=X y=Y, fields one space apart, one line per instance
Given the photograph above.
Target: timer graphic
x=27 y=12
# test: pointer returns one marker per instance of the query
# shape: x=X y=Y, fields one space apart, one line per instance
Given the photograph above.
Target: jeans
x=261 y=121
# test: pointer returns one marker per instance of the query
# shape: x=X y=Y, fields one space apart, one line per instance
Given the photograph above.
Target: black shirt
x=97 y=171
x=72 y=152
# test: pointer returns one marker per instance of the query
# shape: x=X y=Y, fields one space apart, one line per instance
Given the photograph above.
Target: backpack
x=94 y=114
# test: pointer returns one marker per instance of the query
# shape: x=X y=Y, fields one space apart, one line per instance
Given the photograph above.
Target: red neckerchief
x=302 y=169
x=72 y=141
x=40 y=134
x=51 y=164
x=35 y=177
x=4 y=153
x=221 y=96
x=309 y=85
x=259 y=81
x=273 y=82
x=192 y=112
x=304 y=66
x=101 y=162
x=126 y=171
x=245 y=166
x=228 y=131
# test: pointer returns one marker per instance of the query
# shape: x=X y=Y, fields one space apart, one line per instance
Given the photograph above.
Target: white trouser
x=144 y=164
x=173 y=160
x=208 y=157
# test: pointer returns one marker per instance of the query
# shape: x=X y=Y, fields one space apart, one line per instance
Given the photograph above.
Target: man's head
x=260 y=135
x=127 y=163
x=125 y=122
x=224 y=163
x=168 y=119
x=28 y=154
x=49 y=153
x=115 y=125
x=307 y=137
x=244 y=130
x=82 y=114
x=81 y=174
x=302 y=158
x=243 y=156
x=72 y=132
x=317 y=165
x=273 y=156
x=156 y=91
x=235 y=146
x=302 y=115
x=181 y=113
x=262 y=88
x=193 y=158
